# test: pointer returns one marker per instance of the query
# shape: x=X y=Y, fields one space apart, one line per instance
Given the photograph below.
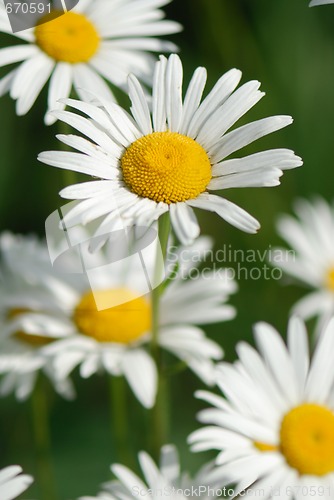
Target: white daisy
x=169 y=162
x=165 y=481
x=275 y=427
x=25 y=275
x=311 y=260
x=315 y=3
x=12 y=482
x=96 y=41
x=114 y=339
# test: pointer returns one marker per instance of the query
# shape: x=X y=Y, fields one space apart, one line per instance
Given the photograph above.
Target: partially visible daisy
x=163 y=481
x=12 y=482
x=274 y=429
x=168 y=162
x=116 y=338
x=311 y=260
x=315 y=3
x=97 y=41
x=25 y=275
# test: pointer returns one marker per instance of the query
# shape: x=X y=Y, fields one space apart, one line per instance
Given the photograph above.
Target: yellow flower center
x=264 y=446
x=166 y=167
x=307 y=439
x=68 y=37
x=330 y=279
x=126 y=321
x=27 y=338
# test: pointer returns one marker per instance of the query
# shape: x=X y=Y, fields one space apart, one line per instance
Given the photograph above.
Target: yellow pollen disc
x=125 y=322
x=307 y=439
x=330 y=279
x=68 y=37
x=166 y=167
x=264 y=446
x=27 y=338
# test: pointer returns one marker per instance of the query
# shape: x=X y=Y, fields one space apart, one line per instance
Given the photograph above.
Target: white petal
x=184 y=222
x=169 y=462
x=278 y=360
x=321 y=374
x=16 y=53
x=86 y=78
x=174 y=76
x=29 y=81
x=78 y=163
x=159 y=96
x=139 y=107
x=220 y=92
x=141 y=373
x=314 y=3
x=299 y=351
x=242 y=136
x=280 y=158
x=193 y=98
x=227 y=210
x=60 y=87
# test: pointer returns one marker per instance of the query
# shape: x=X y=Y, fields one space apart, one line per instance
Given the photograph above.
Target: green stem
x=42 y=441
x=119 y=421
x=159 y=429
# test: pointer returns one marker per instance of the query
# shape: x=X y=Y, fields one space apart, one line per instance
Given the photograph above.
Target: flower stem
x=42 y=441
x=159 y=429
x=119 y=421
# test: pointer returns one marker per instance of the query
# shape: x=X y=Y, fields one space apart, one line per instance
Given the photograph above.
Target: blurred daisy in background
x=274 y=429
x=97 y=41
x=311 y=260
x=12 y=482
x=170 y=161
x=26 y=277
x=167 y=480
x=115 y=339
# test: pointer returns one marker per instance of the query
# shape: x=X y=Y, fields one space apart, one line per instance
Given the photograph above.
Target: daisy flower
x=115 y=338
x=164 y=481
x=274 y=429
x=311 y=260
x=98 y=40
x=25 y=274
x=148 y=165
x=12 y=482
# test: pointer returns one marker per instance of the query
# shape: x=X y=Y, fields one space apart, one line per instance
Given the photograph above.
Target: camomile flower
x=25 y=275
x=99 y=41
x=116 y=337
x=311 y=257
x=274 y=429
x=315 y=3
x=165 y=481
x=12 y=482
x=169 y=161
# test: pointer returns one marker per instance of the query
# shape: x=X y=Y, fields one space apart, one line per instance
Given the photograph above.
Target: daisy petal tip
x=49 y=118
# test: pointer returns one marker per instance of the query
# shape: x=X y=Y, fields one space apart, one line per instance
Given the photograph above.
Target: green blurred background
x=290 y=49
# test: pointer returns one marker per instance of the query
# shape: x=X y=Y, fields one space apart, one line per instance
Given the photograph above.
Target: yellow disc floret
x=330 y=279
x=307 y=439
x=166 y=167
x=126 y=321
x=68 y=37
x=264 y=446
